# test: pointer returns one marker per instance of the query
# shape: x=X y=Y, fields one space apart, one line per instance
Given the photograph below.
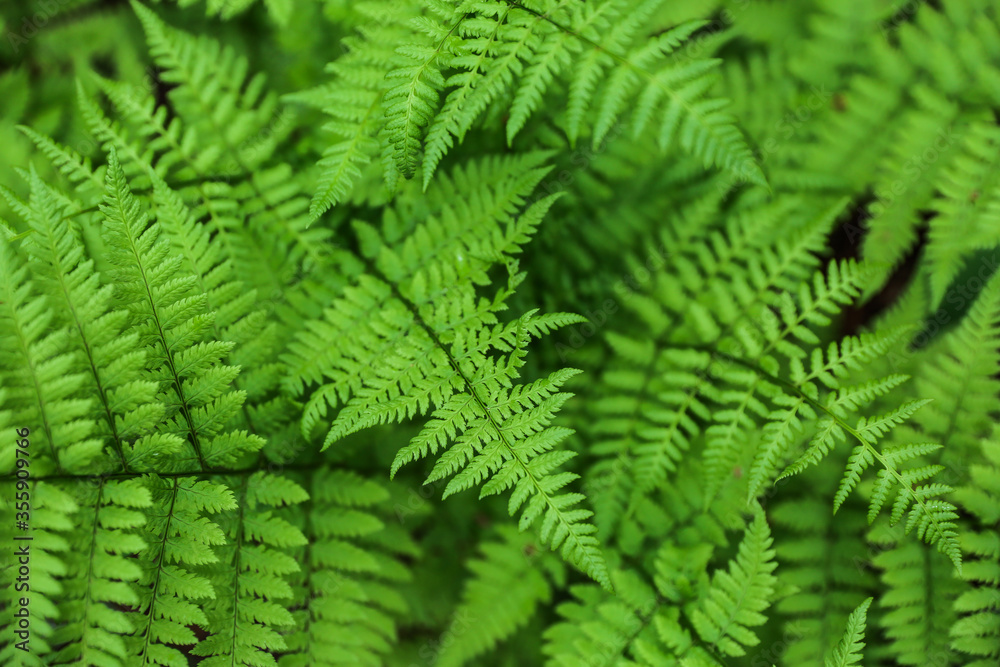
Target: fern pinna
x=499 y=332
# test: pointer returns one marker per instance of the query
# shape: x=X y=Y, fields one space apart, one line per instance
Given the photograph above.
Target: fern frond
x=454 y=62
x=931 y=517
x=109 y=352
x=355 y=112
x=212 y=88
x=179 y=538
x=505 y=589
x=172 y=320
x=596 y=625
x=714 y=620
x=848 y=652
x=958 y=372
x=279 y=10
x=675 y=382
x=736 y=598
x=103 y=574
x=210 y=143
x=250 y=577
x=830 y=431
x=436 y=343
x=786 y=424
x=355 y=102
x=463 y=229
x=236 y=288
x=413 y=96
x=346 y=598
x=41 y=375
x=906 y=185
x=824 y=556
x=75 y=167
x=919 y=599
x=967 y=208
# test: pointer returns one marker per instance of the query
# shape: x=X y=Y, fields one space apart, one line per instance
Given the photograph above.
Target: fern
x=737 y=597
x=179 y=538
x=104 y=569
x=507 y=588
x=701 y=298
x=346 y=598
x=39 y=380
x=965 y=208
x=501 y=49
x=165 y=310
x=721 y=615
x=822 y=557
x=247 y=611
x=975 y=631
x=848 y=652
x=914 y=629
x=431 y=347
x=53 y=511
x=129 y=401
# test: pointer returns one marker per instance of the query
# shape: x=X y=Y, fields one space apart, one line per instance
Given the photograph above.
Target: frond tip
x=848 y=651
x=932 y=517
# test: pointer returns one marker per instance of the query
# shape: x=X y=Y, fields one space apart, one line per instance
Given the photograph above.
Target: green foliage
x=721 y=612
x=506 y=587
x=701 y=297
x=975 y=632
x=848 y=652
x=419 y=81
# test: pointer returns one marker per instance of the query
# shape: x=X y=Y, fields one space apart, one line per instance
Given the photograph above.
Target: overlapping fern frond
x=715 y=620
x=171 y=319
x=346 y=598
x=712 y=420
x=423 y=339
x=723 y=345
